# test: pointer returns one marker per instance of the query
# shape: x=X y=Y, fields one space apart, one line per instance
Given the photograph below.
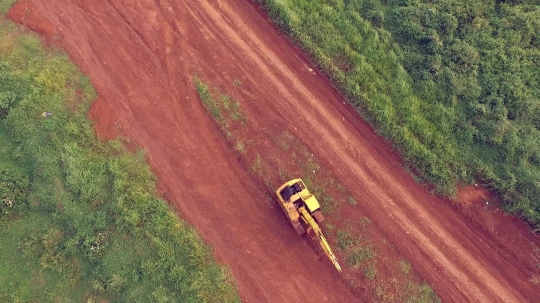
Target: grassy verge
x=80 y=220
x=5 y=5
x=454 y=85
x=274 y=158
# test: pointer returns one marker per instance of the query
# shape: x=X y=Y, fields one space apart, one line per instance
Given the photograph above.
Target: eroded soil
x=142 y=55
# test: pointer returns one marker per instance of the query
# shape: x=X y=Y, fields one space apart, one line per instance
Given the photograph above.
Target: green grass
x=23 y=278
x=360 y=254
x=422 y=294
x=405 y=266
x=453 y=85
x=86 y=222
x=258 y=167
x=5 y=5
x=345 y=240
x=224 y=109
x=240 y=147
x=371 y=272
x=355 y=251
x=208 y=101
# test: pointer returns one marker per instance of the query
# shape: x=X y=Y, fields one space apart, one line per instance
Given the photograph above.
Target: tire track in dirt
x=151 y=96
x=467 y=264
x=141 y=57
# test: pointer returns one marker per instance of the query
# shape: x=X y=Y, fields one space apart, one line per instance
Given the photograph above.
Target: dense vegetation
x=80 y=220
x=454 y=85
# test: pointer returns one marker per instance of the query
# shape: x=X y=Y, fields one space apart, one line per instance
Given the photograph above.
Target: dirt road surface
x=141 y=55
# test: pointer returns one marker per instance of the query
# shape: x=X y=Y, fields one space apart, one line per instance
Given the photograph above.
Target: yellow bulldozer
x=304 y=213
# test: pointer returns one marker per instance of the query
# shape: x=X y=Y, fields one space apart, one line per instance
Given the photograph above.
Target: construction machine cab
x=288 y=191
x=294 y=195
x=303 y=211
x=295 y=192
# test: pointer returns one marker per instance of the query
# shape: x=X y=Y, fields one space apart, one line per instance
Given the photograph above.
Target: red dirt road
x=142 y=55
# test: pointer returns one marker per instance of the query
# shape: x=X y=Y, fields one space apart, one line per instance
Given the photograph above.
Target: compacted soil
x=142 y=56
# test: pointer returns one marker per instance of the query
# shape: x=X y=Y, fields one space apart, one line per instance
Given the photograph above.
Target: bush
x=449 y=83
x=13 y=193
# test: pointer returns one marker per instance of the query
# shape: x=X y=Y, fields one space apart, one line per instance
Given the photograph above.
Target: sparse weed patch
x=370 y=272
x=330 y=228
x=225 y=110
x=208 y=101
x=345 y=240
x=405 y=266
x=258 y=167
x=365 y=221
x=240 y=147
x=422 y=294
x=381 y=295
x=284 y=140
x=354 y=248
x=360 y=254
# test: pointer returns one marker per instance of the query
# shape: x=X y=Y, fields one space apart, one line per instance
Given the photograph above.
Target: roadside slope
x=141 y=57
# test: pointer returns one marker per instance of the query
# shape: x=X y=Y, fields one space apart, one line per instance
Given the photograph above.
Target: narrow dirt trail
x=142 y=55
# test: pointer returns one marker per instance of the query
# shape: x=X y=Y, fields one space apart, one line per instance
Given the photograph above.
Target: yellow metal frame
x=308 y=219
x=295 y=213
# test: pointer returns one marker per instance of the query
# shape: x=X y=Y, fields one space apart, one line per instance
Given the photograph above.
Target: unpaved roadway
x=141 y=55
